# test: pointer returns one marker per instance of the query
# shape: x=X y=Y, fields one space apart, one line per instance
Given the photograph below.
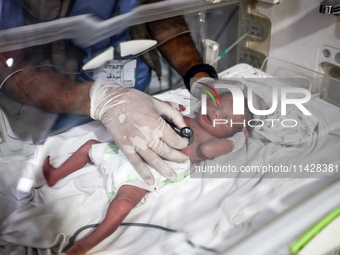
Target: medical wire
x=86 y=77
x=231 y=190
x=230 y=48
x=30 y=67
x=314 y=230
x=82 y=73
x=17 y=71
x=227 y=23
x=144 y=225
x=156 y=46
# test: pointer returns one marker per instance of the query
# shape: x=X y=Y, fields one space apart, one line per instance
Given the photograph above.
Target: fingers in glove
x=166 y=152
x=172 y=139
x=171 y=114
x=140 y=167
x=169 y=136
x=154 y=160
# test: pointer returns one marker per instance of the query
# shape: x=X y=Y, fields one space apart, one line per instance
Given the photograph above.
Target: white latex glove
x=134 y=120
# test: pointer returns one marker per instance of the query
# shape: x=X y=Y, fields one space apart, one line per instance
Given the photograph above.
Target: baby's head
x=219 y=120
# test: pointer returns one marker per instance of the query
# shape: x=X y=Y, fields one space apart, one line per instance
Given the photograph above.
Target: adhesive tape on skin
x=100 y=60
x=134 y=47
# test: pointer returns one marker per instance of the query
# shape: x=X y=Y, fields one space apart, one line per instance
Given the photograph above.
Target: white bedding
x=210 y=212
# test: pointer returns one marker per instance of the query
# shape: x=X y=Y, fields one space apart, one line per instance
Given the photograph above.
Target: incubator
x=248 y=40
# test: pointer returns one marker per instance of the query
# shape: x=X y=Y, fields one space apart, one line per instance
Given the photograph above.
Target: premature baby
x=212 y=140
x=127 y=189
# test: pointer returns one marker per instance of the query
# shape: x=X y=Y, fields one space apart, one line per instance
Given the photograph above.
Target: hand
x=134 y=120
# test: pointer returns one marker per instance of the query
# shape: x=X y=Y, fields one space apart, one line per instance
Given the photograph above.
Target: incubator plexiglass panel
x=281 y=44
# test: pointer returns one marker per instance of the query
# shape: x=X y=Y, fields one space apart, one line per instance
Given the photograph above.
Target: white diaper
x=119 y=171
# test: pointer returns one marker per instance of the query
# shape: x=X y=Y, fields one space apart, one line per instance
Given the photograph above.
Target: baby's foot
x=49 y=172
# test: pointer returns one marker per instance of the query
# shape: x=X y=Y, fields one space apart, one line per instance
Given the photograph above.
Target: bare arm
x=180 y=52
x=126 y=199
x=216 y=147
x=42 y=87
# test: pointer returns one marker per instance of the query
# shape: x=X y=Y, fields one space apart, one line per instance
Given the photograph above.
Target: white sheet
x=211 y=212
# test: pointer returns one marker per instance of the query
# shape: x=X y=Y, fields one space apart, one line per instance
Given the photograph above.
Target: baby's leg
x=126 y=199
x=73 y=163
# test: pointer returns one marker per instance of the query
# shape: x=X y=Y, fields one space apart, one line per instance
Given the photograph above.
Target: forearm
x=180 y=52
x=42 y=87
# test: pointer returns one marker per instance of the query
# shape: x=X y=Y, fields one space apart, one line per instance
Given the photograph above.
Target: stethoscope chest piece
x=185 y=132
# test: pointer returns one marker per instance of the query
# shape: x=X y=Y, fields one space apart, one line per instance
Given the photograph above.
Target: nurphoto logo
x=239 y=102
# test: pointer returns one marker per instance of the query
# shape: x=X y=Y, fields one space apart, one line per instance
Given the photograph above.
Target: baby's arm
x=126 y=199
x=215 y=147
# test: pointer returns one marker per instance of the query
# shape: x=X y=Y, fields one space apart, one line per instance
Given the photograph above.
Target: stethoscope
x=185 y=132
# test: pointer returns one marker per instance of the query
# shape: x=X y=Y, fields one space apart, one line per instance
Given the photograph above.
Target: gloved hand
x=134 y=120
